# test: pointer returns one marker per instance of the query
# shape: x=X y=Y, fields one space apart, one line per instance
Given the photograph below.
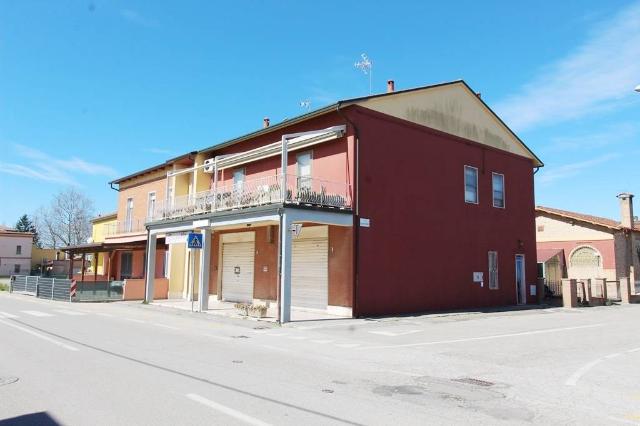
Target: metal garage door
x=310 y=270
x=237 y=271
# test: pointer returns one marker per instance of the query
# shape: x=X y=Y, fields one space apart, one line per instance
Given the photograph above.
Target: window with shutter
x=493 y=270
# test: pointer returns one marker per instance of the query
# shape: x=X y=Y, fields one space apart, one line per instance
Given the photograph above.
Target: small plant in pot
x=242 y=308
x=258 y=311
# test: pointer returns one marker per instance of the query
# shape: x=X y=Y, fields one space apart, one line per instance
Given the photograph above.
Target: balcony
x=124 y=227
x=258 y=192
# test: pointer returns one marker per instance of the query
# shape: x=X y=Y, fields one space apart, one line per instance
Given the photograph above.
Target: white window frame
x=244 y=178
x=477 y=200
x=128 y=216
x=304 y=181
x=494 y=280
x=151 y=213
x=504 y=191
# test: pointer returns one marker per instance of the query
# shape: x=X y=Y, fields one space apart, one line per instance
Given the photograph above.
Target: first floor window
x=16 y=269
x=497 y=181
x=493 y=270
x=18 y=249
x=238 y=178
x=470 y=184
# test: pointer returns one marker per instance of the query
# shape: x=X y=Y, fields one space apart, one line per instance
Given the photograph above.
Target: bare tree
x=66 y=221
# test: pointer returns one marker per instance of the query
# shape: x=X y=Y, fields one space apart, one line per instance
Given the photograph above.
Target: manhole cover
x=7 y=380
x=472 y=381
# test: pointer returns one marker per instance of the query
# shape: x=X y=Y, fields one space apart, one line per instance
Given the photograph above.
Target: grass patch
x=4 y=287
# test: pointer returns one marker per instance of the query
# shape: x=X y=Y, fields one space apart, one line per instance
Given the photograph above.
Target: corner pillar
x=569 y=293
x=150 y=274
x=205 y=265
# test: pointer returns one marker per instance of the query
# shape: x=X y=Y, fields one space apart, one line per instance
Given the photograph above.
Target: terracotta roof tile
x=596 y=220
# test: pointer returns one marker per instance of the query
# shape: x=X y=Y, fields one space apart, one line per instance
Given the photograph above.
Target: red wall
x=425 y=242
x=606 y=249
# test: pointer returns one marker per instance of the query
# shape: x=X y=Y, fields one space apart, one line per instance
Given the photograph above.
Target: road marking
x=170 y=327
x=575 y=377
x=322 y=342
x=102 y=314
x=495 y=336
x=7 y=315
x=67 y=312
x=41 y=336
x=226 y=410
x=37 y=313
x=394 y=334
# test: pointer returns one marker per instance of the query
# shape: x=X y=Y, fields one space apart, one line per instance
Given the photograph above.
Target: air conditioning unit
x=208 y=165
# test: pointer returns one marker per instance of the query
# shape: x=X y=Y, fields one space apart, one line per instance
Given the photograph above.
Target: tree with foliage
x=67 y=220
x=25 y=224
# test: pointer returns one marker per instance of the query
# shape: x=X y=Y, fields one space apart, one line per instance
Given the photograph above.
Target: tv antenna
x=366 y=66
x=305 y=104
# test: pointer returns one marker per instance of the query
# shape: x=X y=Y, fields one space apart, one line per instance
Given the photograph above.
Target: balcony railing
x=257 y=192
x=124 y=227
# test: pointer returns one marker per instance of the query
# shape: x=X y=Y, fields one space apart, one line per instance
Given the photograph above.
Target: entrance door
x=237 y=271
x=310 y=268
x=520 y=283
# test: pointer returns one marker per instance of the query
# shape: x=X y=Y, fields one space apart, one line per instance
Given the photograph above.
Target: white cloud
x=161 y=151
x=40 y=165
x=611 y=135
x=599 y=75
x=136 y=18
x=572 y=169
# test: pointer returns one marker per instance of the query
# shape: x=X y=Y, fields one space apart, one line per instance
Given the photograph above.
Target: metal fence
x=43 y=288
x=552 y=288
x=99 y=291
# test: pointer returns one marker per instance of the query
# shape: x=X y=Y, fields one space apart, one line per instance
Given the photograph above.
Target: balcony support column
x=205 y=265
x=151 y=268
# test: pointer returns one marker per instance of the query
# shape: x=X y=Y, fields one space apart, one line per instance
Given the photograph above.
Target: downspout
x=536 y=170
x=356 y=216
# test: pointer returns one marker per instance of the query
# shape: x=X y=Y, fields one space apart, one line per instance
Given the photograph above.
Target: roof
x=586 y=218
x=544 y=254
x=12 y=231
x=325 y=110
x=104 y=216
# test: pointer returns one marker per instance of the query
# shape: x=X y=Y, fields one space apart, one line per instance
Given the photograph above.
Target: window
x=304 y=170
x=167 y=263
x=18 y=249
x=493 y=270
x=151 y=205
x=126 y=265
x=16 y=269
x=238 y=178
x=128 y=220
x=470 y=184
x=497 y=181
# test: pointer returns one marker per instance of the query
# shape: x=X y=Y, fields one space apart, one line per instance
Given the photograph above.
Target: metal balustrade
x=256 y=192
x=124 y=227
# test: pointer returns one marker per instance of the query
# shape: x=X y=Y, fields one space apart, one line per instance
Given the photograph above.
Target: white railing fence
x=256 y=192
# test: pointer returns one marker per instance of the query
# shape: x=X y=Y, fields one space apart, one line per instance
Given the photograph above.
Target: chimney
x=265 y=122
x=391 y=86
x=626 y=209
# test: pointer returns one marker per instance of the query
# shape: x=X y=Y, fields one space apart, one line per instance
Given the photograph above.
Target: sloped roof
x=586 y=218
x=544 y=254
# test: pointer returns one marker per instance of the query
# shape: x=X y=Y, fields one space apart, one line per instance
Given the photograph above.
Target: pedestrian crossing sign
x=194 y=240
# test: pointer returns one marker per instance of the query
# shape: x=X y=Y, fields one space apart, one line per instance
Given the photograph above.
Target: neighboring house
x=402 y=202
x=15 y=251
x=581 y=246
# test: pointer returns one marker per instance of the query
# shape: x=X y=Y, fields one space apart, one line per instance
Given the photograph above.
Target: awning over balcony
x=275 y=149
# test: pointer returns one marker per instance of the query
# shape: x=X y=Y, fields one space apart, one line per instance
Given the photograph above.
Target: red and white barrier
x=73 y=289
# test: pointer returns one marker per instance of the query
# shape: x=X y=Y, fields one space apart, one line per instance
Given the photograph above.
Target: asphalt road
x=128 y=363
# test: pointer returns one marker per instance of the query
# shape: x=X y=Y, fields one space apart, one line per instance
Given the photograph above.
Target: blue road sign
x=194 y=240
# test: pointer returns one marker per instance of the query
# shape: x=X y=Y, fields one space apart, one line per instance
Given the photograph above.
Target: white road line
x=37 y=313
x=67 y=312
x=394 y=334
x=40 y=336
x=227 y=410
x=575 y=377
x=170 y=327
x=495 y=336
x=7 y=315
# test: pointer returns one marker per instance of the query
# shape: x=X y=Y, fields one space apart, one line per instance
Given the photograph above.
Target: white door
x=310 y=268
x=237 y=271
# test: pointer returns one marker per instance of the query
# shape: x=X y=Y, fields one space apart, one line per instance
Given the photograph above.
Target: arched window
x=585 y=257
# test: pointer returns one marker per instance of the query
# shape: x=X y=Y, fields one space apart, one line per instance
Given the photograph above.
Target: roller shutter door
x=237 y=271
x=309 y=273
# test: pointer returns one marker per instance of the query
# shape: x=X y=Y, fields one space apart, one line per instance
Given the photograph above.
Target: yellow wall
x=39 y=254
x=98 y=228
x=558 y=230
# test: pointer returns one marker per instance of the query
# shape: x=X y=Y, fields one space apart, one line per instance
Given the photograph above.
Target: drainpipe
x=356 y=216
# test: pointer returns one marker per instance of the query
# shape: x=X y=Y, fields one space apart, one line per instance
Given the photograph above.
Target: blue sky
x=92 y=90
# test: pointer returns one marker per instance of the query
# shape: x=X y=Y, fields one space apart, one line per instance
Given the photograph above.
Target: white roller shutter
x=237 y=271
x=310 y=271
